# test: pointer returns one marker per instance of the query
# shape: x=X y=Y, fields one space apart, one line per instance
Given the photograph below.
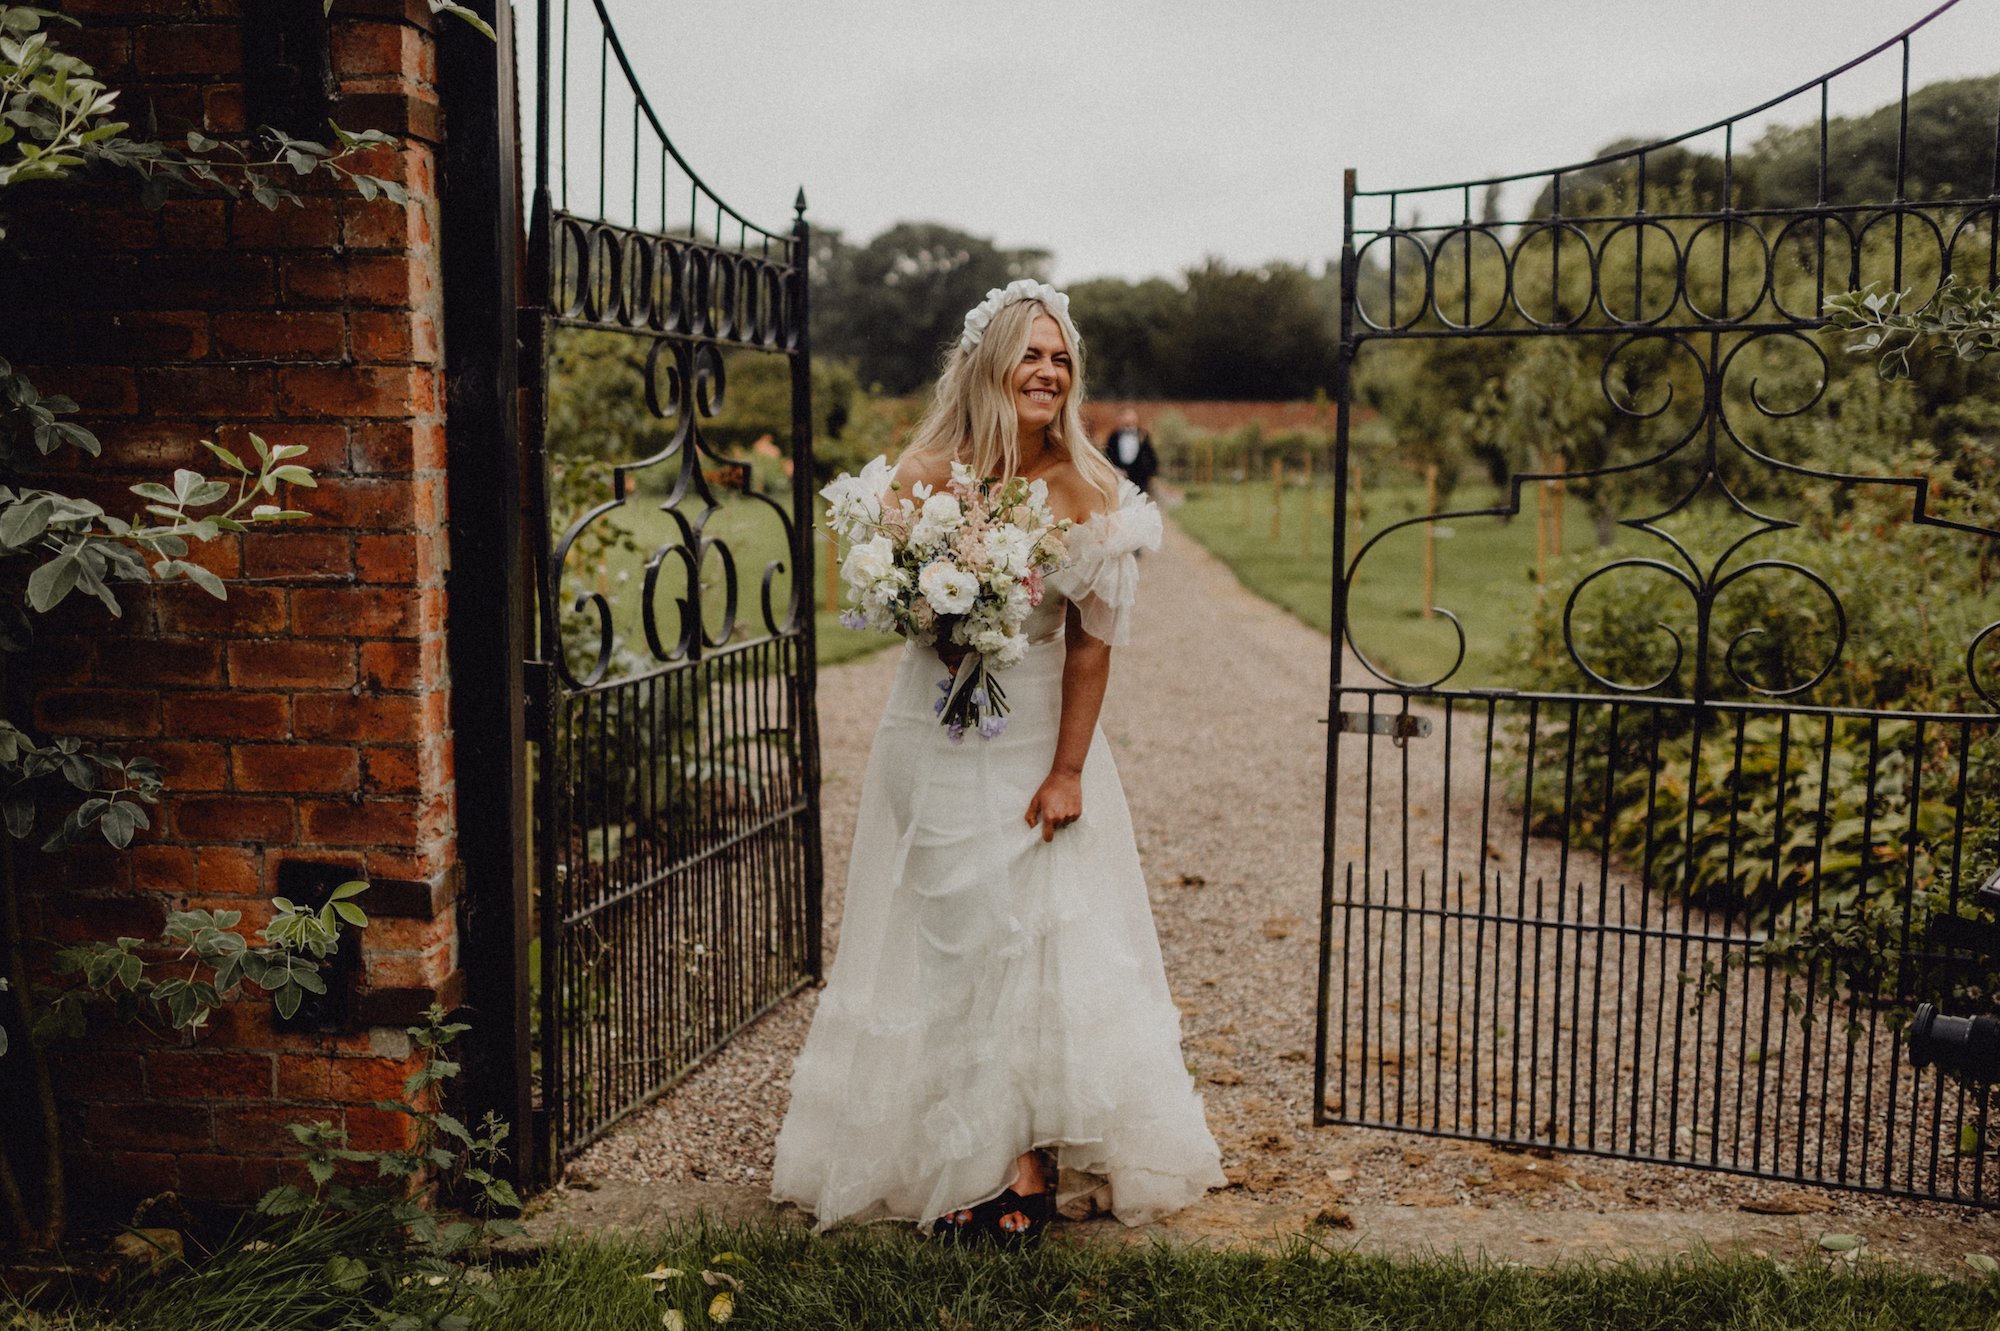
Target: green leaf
x=24 y=522
x=223 y=455
x=1840 y=1242
x=348 y=1274
x=353 y=887
x=50 y=583
x=296 y=475
x=205 y=579
x=351 y=913
x=461 y=12
x=1968 y=1139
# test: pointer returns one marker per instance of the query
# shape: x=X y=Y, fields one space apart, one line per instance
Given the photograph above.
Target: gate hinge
x=1398 y=726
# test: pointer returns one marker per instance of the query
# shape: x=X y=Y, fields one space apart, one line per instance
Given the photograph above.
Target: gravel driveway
x=1214 y=713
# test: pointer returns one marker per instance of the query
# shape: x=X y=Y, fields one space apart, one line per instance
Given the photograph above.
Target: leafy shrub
x=1779 y=821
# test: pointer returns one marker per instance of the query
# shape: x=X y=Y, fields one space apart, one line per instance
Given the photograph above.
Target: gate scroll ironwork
x=1608 y=916
x=671 y=694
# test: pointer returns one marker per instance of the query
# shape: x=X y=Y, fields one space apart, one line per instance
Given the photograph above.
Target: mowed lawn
x=1485 y=568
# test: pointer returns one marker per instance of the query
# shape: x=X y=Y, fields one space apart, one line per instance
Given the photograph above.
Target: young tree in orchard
x=56 y=123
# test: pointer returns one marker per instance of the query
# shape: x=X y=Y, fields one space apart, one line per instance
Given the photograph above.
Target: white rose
x=1009 y=549
x=949 y=589
x=989 y=642
x=939 y=518
x=870 y=561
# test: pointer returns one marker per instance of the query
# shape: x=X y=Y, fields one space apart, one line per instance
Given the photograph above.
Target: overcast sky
x=1133 y=137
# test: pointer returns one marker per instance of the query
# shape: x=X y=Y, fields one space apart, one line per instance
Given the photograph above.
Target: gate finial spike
x=799 y=204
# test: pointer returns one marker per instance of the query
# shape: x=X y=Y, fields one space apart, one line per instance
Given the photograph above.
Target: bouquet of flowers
x=961 y=565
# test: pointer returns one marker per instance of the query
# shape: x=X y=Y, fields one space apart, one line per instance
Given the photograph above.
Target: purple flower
x=979 y=697
x=853 y=619
x=956 y=733
x=937 y=708
x=991 y=726
x=944 y=685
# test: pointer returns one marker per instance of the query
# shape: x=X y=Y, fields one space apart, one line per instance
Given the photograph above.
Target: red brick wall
x=306 y=716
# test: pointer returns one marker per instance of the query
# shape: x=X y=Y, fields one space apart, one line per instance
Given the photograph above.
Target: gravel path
x=1214 y=713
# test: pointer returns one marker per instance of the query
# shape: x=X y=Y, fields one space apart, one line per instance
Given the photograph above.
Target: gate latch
x=1398 y=726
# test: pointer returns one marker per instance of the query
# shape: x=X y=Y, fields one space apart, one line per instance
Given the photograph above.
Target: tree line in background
x=893 y=305
x=1268 y=333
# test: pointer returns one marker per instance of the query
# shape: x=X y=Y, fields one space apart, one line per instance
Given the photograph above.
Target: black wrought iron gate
x=673 y=744
x=1668 y=887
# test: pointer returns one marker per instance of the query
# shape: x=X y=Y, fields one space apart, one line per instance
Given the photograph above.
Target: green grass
x=755 y=539
x=1485 y=569
x=884 y=1277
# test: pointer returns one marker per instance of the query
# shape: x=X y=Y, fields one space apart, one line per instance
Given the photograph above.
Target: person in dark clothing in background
x=1131 y=451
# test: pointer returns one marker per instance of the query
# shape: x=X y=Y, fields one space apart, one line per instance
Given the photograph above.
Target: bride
x=996 y=1023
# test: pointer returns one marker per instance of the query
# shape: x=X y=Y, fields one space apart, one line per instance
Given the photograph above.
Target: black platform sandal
x=1022 y=1222
x=961 y=1224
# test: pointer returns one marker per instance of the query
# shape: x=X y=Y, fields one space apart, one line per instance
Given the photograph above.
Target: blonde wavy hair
x=971 y=417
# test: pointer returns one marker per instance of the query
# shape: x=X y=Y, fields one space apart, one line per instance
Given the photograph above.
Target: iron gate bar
x=1690 y=1047
x=676 y=789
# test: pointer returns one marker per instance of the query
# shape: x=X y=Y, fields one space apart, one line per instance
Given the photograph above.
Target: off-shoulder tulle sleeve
x=1101 y=575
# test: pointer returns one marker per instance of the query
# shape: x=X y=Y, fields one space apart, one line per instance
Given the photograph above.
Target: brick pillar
x=305 y=720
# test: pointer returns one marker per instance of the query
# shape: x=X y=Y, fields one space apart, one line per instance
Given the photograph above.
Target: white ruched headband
x=999 y=298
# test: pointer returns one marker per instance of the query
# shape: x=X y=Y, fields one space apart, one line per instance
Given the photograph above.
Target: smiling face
x=1041 y=381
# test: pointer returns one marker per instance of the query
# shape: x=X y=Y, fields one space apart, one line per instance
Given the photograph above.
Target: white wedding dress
x=994 y=992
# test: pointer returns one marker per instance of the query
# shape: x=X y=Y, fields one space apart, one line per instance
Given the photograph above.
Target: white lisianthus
x=1010 y=652
x=949 y=589
x=869 y=562
x=939 y=518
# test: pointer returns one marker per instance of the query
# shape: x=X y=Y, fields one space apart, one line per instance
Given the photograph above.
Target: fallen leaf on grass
x=1980 y=1262
x=1841 y=1242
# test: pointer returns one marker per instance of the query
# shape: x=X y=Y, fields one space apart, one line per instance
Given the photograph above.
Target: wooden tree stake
x=832 y=571
x=1430 y=542
x=1277 y=494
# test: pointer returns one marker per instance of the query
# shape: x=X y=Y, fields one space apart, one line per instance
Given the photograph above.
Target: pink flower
x=1033 y=582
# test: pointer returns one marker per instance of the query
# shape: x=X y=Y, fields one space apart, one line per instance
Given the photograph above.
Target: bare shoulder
x=912 y=471
x=1071 y=495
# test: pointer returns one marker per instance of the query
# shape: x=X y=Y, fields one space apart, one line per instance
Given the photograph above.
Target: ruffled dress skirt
x=992 y=992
